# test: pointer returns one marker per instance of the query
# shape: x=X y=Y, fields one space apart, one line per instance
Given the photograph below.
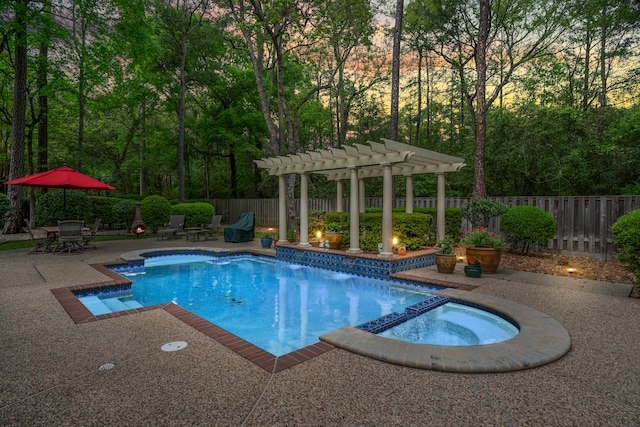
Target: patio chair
x=42 y=243
x=69 y=236
x=213 y=228
x=243 y=230
x=176 y=223
x=89 y=236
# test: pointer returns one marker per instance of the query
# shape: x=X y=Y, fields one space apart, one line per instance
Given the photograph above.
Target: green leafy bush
x=102 y=207
x=626 y=236
x=526 y=226
x=50 y=205
x=480 y=211
x=155 y=211
x=452 y=221
x=124 y=211
x=195 y=214
x=5 y=207
x=410 y=229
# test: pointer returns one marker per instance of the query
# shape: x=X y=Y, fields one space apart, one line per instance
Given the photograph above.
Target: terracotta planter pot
x=471 y=271
x=490 y=258
x=335 y=239
x=446 y=263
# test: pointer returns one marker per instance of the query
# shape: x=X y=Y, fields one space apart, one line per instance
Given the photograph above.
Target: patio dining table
x=53 y=233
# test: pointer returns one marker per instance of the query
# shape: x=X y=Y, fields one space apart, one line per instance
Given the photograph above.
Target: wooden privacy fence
x=583 y=223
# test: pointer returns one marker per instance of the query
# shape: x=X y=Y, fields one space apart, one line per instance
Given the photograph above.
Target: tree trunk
x=16 y=165
x=43 y=100
x=395 y=71
x=181 y=114
x=480 y=187
x=143 y=148
x=603 y=73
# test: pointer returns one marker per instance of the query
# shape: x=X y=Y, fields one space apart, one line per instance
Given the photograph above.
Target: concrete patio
x=50 y=376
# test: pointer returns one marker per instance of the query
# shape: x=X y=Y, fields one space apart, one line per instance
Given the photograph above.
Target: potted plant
x=266 y=239
x=445 y=259
x=333 y=234
x=291 y=235
x=474 y=268
x=484 y=245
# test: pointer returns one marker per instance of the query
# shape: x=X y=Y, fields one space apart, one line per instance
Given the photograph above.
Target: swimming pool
x=276 y=305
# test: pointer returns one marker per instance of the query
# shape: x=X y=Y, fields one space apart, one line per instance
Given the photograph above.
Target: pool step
x=95 y=305
x=116 y=304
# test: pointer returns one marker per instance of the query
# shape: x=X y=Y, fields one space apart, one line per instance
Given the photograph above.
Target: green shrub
x=102 y=207
x=50 y=205
x=195 y=214
x=124 y=212
x=526 y=226
x=410 y=229
x=480 y=211
x=452 y=222
x=5 y=208
x=155 y=211
x=626 y=236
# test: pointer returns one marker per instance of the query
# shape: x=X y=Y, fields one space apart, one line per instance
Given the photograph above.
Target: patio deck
x=49 y=369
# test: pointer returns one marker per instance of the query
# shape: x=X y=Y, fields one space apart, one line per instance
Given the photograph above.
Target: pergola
x=357 y=163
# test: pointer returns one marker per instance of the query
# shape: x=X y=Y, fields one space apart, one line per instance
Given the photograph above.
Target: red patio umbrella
x=63 y=177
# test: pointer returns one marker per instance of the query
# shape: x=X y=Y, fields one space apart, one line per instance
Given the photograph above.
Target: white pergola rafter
x=358 y=162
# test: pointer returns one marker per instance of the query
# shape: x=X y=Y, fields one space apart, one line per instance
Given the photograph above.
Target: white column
x=440 y=207
x=282 y=208
x=387 y=194
x=354 y=222
x=304 y=210
x=361 y=194
x=339 y=196
x=409 y=195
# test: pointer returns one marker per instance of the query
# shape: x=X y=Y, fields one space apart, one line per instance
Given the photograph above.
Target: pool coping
x=541 y=340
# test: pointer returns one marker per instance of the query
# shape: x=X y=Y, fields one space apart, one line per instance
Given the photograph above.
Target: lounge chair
x=243 y=230
x=176 y=224
x=213 y=228
x=42 y=243
x=90 y=235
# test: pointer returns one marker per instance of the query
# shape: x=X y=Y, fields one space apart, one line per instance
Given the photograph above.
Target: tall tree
x=275 y=32
x=395 y=71
x=88 y=49
x=16 y=168
x=499 y=37
x=183 y=26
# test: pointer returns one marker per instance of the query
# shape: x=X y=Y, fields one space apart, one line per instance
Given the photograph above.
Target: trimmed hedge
x=526 y=226
x=626 y=236
x=124 y=210
x=102 y=207
x=195 y=214
x=51 y=206
x=410 y=229
x=452 y=221
x=155 y=211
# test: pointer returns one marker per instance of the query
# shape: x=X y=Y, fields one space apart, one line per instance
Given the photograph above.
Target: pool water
x=281 y=307
x=277 y=306
x=454 y=325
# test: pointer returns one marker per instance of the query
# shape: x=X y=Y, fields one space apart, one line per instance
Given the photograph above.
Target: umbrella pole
x=64 y=204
